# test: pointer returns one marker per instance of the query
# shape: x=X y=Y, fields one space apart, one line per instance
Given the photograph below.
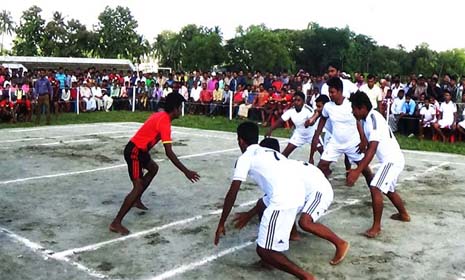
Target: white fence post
x=133 y=99
x=78 y=101
x=230 y=106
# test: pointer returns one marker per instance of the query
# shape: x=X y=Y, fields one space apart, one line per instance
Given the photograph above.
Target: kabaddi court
x=61 y=186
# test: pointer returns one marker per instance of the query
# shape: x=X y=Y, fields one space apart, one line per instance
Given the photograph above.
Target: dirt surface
x=60 y=187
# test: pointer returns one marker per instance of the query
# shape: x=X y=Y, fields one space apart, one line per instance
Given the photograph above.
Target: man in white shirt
x=299 y=114
x=348 y=86
x=286 y=195
x=318 y=197
x=396 y=110
x=427 y=116
x=448 y=116
x=346 y=131
x=383 y=143
x=373 y=91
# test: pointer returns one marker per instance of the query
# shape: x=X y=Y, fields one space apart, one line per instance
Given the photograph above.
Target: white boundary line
x=191 y=266
x=96 y=246
x=47 y=254
x=106 y=168
x=62 y=136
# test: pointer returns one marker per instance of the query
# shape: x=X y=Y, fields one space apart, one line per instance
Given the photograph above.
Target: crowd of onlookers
x=417 y=105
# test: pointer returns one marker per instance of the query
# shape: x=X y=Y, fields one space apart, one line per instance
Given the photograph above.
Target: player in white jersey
x=347 y=135
x=318 y=197
x=334 y=71
x=299 y=114
x=286 y=196
x=383 y=143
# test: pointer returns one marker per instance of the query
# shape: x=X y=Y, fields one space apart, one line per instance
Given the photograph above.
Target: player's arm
x=277 y=124
x=311 y=121
x=191 y=175
x=363 y=140
x=241 y=219
x=319 y=129
x=227 y=206
x=353 y=174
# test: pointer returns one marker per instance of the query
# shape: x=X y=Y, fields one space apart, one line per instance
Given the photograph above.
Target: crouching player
x=383 y=143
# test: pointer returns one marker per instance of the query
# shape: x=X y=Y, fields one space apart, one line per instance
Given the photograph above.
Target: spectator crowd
x=430 y=106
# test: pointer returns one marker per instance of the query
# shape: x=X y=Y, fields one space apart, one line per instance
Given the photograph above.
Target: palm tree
x=7 y=26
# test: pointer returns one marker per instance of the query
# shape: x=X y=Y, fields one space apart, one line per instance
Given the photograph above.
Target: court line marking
x=61 y=127
x=107 y=168
x=191 y=266
x=96 y=246
x=62 y=136
x=47 y=254
x=67 y=142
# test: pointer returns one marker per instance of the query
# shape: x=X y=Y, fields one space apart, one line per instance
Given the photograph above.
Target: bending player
x=383 y=143
x=266 y=167
x=318 y=197
x=156 y=128
x=299 y=114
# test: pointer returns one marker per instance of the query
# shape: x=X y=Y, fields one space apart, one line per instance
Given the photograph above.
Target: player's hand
x=192 y=176
x=241 y=219
x=219 y=231
x=311 y=161
x=352 y=176
x=268 y=133
x=362 y=147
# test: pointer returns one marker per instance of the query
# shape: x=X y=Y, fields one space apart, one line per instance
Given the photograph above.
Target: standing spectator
x=43 y=91
x=373 y=91
x=396 y=110
x=206 y=98
x=217 y=99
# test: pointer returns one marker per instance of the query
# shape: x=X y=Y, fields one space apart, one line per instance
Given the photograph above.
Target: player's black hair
x=335 y=65
x=248 y=131
x=271 y=143
x=300 y=94
x=173 y=101
x=336 y=83
x=360 y=99
x=322 y=98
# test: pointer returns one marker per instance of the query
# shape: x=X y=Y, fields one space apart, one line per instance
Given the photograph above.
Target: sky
x=390 y=23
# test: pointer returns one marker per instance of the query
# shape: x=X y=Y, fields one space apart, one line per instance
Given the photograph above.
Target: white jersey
x=312 y=176
x=347 y=88
x=448 y=110
x=428 y=114
x=299 y=118
x=274 y=174
x=343 y=123
x=376 y=129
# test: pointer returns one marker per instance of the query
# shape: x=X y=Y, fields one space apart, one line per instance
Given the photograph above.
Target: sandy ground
x=60 y=187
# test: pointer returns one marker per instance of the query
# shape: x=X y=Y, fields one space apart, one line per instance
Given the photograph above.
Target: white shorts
x=462 y=124
x=333 y=151
x=275 y=229
x=298 y=139
x=386 y=177
x=445 y=123
x=317 y=203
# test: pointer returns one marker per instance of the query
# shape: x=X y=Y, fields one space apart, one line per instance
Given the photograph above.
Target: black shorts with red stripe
x=136 y=160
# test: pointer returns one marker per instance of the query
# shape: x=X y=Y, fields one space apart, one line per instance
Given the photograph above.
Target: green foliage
x=117 y=36
x=29 y=33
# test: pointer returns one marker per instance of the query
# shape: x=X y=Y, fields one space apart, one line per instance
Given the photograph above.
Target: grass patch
x=223 y=124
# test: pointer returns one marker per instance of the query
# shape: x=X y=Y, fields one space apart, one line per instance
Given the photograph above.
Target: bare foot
x=401 y=217
x=140 y=205
x=372 y=232
x=341 y=253
x=118 y=228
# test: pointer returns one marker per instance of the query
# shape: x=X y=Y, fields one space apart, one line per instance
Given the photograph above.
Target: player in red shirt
x=156 y=128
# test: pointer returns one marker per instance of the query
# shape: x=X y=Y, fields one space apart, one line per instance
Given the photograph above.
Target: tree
x=29 y=33
x=55 y=37
x=168 y=48
x=117 y=36
x=7 y=26
x=80 y=41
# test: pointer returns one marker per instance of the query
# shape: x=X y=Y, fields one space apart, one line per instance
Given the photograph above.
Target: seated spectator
x=427 y=116
x=461 y=124
x=259 y=102
x=65 y=98
x=407 y=119
x=206 y=97
x=155 y=97
x=217 y=99
x=106 y=98
x=448 y=116
x=7 y=109
x=194 y=99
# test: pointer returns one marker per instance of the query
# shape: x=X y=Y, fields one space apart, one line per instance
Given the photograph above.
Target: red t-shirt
x=156 y=128
x=6 y=104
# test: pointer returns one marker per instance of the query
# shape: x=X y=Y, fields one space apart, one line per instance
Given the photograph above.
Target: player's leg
x=289 y=149
x=316 y=205
x=394 y=197
x=437 y=128
x=152 y=170
x=377 y=206
x=273 y=239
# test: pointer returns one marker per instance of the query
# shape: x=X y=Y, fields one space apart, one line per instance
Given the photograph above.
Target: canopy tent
x=34 y=62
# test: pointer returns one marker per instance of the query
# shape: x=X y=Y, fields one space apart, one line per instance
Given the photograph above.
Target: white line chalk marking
x=106 y=168
x=188 y=267
x=96 y=246
x=48 y=254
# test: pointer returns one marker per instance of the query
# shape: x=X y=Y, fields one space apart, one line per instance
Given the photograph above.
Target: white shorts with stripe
x=317 y=203
x=275 y=229
x=386 y=177
x=297 y=139
x=334 y=150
